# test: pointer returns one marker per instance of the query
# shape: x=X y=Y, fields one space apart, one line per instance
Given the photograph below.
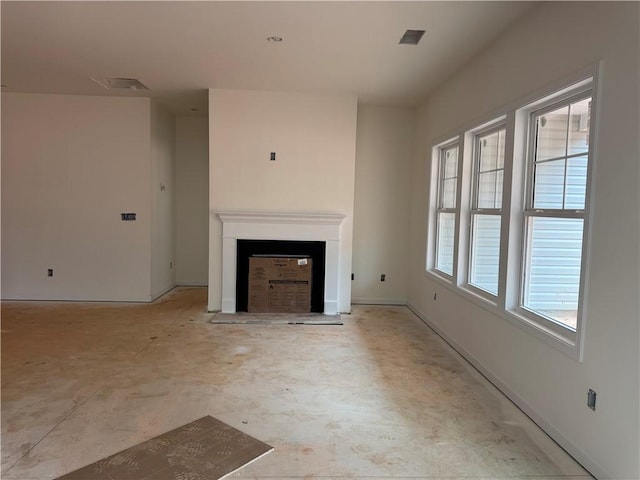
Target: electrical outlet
x=591 y=399
x=50 y=272
x=383 y=277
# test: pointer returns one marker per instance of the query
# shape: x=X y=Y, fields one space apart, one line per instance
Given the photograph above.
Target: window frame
x=474 y=136
x=553 y=102
x=439 y=209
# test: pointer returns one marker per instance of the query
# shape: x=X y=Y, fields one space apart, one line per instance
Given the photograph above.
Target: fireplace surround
x=321 y=227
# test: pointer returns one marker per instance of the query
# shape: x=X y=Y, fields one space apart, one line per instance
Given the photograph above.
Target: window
x=554 y=212
x=509 y=212
x=486 y=210
x=446 y=209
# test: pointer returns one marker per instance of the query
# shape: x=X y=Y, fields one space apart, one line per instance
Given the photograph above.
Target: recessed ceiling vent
x=411 y=37
x=121 y=83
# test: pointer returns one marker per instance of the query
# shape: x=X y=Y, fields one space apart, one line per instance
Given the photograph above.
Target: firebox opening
x=312 y=249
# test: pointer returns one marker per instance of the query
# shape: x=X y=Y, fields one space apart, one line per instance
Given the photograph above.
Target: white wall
x=163 y=200
x=70 y=166
x=314 y=137
x=384 y=152
x=553 y=41
x=192 y=183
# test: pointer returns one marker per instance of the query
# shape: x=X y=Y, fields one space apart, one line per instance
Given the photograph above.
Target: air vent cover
x=411 y=37
x=126 y=83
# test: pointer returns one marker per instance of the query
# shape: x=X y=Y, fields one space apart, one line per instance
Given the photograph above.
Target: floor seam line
x=67 y=415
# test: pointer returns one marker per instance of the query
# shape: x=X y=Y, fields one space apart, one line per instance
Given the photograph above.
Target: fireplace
x=294 y=227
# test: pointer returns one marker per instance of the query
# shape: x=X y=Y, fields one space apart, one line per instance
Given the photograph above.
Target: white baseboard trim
x=378 y=301
x=156 y=296
x=145 y=299
x=522 y=404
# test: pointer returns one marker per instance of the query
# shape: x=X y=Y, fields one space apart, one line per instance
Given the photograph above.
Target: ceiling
x=180 y=49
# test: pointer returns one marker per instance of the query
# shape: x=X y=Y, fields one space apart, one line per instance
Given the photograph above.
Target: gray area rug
x=206 y=449
x=276 y=318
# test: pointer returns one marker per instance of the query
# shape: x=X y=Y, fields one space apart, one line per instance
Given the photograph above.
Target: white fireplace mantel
x=324 y=227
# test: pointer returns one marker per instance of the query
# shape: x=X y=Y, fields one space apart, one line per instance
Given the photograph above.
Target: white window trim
x=516 y=117
x=435 y=200
x=471 y=138
x=579 y=90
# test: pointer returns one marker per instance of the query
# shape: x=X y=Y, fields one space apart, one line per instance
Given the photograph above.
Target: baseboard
x=581 y=457
x=156 y=296
x=144 y=299
x=378 y=301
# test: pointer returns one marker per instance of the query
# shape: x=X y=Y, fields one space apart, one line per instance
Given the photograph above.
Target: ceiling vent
x=411 y=37
x=121 y=83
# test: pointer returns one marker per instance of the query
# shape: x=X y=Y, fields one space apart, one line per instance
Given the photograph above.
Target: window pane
x=576 y=183
x=449 y=193
x=485 y=252
x=552 y=268
x=490 y=189
x=450 y=162
x=502 y=135
x=579 y=126
x=444 y=247
x=549 y=184
x=551 y=138
x=492 y=151
x=489 y=170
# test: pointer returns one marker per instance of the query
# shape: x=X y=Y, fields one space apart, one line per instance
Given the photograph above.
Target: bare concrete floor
x=378 y=397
